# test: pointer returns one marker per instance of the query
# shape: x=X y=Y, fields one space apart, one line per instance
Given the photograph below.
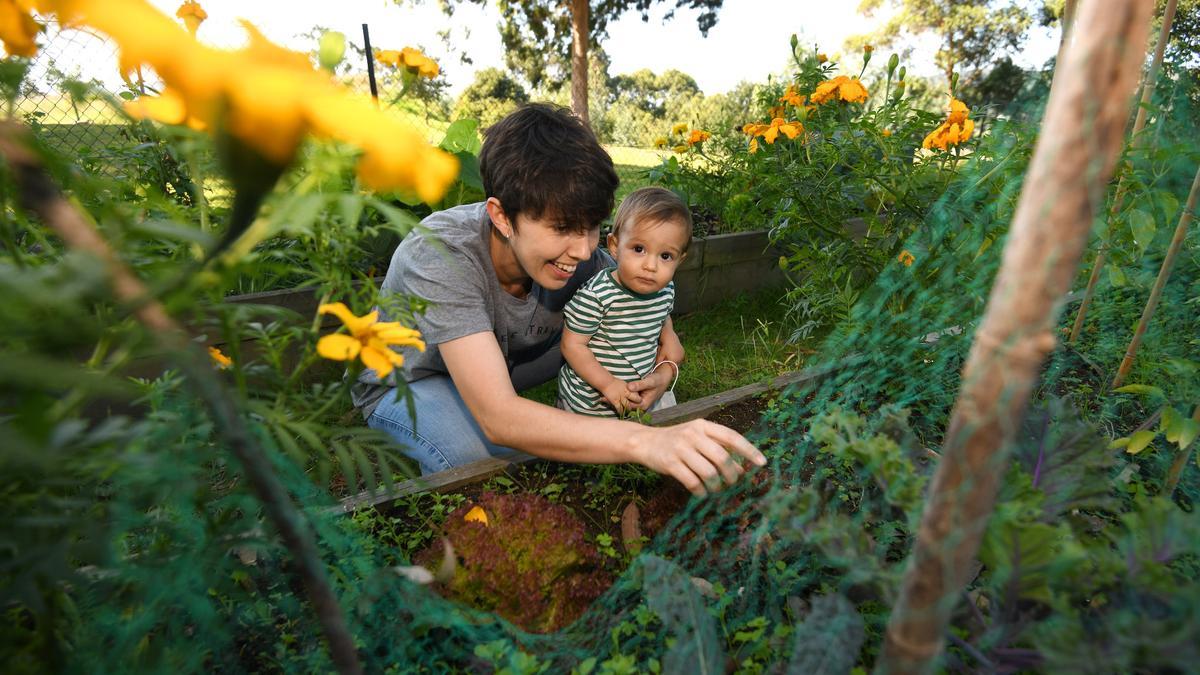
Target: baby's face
x=647 y=253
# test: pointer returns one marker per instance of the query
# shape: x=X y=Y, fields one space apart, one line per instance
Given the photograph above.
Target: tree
x=971 y=33
x=551 y=38
x=490 y=97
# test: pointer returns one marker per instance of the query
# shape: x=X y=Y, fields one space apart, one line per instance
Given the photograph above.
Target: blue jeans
x=444 y=434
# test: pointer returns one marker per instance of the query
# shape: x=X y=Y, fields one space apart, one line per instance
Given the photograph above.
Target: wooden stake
x=1148 y=85
x=1083 y=132
x=1164 y=273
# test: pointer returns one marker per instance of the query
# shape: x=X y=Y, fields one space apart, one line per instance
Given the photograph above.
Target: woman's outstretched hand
x=702 y=455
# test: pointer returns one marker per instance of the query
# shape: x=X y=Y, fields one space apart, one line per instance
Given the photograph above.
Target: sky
x=749 y=42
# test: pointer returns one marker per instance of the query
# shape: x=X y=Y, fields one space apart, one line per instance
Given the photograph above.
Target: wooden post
x=1164 y=273
x=1148 y=85
x=1074 y=158
x=371 y=63
x=1068 y=18
x=580 y=36
x=1178 y=465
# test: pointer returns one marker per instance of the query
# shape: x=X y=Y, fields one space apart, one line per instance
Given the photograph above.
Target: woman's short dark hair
x=543 y=161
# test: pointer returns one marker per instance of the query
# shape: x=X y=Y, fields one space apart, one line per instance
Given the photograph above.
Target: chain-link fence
x=64 y=91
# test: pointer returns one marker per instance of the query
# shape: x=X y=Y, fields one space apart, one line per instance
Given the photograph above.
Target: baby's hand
x=620 y=396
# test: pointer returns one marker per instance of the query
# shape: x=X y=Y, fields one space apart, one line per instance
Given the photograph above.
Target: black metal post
x=370 y=63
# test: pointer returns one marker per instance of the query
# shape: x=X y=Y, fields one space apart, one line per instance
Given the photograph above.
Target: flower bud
x=821 y=58
x=892 y=63
x=953 y=81
x=795 y=42
x=903 y=70
x=332 y=48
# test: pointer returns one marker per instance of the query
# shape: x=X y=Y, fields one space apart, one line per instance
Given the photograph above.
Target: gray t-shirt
x=449 y=264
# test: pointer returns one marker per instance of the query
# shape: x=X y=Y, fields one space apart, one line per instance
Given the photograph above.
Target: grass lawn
x=631 y=165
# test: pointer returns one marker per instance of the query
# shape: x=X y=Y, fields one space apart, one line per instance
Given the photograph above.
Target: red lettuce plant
x=528 y=561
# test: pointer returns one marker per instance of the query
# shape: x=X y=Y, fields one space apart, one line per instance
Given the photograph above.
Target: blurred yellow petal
x=18 y=29
x=359 y=326
x=338 y=347
x=476 y=515
x=379 y=362
x=265 y=105
x=219 y=358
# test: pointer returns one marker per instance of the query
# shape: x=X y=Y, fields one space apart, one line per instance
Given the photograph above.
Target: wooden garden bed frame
x=475 y=472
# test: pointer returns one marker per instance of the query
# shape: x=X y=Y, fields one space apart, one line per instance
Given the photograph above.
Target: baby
x=615 y=322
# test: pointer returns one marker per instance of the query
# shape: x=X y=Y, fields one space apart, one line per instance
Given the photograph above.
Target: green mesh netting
x=131 y=543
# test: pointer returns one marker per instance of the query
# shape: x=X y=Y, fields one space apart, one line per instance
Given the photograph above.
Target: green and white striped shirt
x=624 y=327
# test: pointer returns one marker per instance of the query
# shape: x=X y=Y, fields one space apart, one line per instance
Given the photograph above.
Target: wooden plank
x=482 y=470
x=724 y=249
x=441 y=481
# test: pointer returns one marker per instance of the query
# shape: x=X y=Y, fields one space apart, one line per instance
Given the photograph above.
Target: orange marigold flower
x=848 y=89
x=778 y=126
x=886 y=133
x=906 y=258
x=821 y=58
x=791 y=97
x=957 y=128
x=192 y=15
x=698 y=136
x=369 y=340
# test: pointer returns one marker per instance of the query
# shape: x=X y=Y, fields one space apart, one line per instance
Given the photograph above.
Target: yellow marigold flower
x=219 y=358
x=698 y=136
x=681 y=148
x=821 y=58
x=369 y=340
x=476 y=515
x=778 y=126
x=791 y=97
x=886 y=133
x=418 y=64
x=660 y=142
x=192 y=15
x=18 y=29
x=958 y=111
x=680 y=128
x=388 y=57
x=956 y=129
x=848 y=89
x=906 y=258
x=268 y=97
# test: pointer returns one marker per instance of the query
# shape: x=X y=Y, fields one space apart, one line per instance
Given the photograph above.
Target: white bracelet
x=674 y=365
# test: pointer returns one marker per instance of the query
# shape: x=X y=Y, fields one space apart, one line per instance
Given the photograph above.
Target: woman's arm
x=583 y=361
x=699 y=454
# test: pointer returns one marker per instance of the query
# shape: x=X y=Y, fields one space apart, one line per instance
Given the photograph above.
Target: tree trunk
x=1067 y=178
x=580 y=35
